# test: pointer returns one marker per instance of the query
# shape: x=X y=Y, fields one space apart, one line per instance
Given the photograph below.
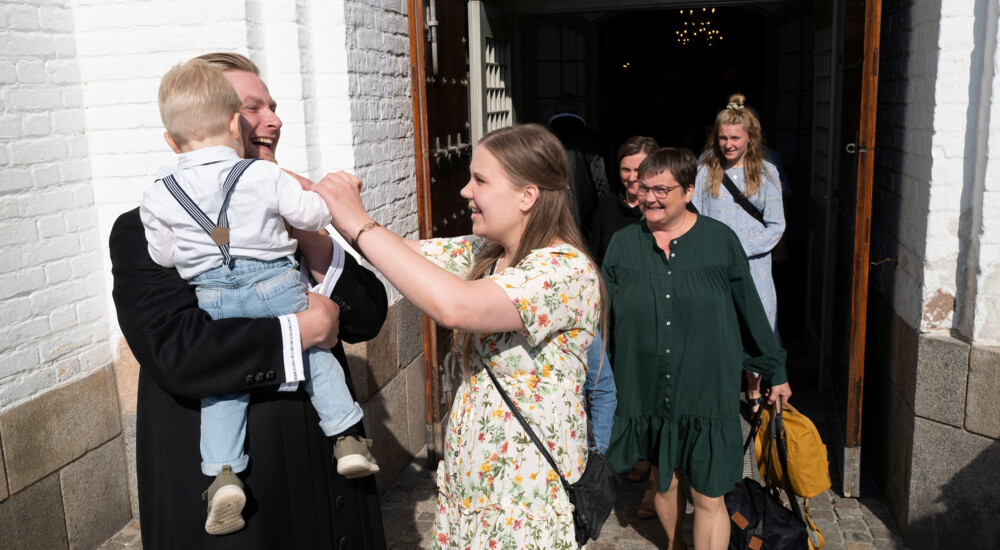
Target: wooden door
x=460 y=55
x=442 y=138
x=856 y=147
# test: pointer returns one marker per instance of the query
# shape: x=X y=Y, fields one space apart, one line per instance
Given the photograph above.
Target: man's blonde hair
x=197 y=101
x=230 y=61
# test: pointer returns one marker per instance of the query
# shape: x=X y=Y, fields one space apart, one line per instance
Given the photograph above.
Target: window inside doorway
x=562 y=67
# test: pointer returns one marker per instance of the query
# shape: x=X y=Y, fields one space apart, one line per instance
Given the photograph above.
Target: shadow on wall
x=969 y=508
x=908 y=67
x=904 y=135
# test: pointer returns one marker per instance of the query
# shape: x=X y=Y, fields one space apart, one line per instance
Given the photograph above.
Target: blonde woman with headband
x=734 y=151
x=525 y=299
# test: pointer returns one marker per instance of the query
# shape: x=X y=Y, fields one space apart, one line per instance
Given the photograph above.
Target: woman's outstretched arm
x=477 y=306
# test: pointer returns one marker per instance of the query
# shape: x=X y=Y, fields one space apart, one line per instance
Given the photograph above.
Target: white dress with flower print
x=495 y=490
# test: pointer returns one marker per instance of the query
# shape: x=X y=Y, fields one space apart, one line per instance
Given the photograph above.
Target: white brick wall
x=381 y=111
x=929 y=194
x=987 y=323
x=80 y=140
x=52 y=294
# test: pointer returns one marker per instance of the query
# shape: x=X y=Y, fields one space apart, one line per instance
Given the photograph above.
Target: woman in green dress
x=685 y=319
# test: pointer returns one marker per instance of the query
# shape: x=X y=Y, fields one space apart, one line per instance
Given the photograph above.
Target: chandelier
x=697 y=28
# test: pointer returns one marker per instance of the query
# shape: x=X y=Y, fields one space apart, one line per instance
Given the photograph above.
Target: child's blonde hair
x=197 y=101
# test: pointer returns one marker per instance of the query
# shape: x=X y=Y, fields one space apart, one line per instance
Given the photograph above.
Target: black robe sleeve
x=295 y=498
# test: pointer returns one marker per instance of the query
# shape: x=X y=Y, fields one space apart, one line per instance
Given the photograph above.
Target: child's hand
x=342 y=193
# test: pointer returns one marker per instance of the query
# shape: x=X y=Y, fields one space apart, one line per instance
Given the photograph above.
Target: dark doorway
x=656 y=79
x=654 y=84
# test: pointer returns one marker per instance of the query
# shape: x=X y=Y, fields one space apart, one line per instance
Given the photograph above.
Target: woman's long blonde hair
x=530 y=155
x=753 y=159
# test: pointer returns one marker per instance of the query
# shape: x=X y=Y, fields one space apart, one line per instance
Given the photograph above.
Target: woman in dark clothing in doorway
x=621 y=209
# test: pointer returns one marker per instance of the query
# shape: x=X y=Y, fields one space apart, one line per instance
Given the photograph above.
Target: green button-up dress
x=682 y=328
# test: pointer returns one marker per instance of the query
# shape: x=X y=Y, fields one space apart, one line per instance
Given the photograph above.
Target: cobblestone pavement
x=848 y=524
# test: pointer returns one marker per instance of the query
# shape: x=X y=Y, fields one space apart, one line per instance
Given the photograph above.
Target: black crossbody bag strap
x=741 y=199
x=778 y=436
x=527 y=428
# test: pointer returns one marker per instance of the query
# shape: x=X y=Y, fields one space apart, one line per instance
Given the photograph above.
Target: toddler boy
x=217 y=218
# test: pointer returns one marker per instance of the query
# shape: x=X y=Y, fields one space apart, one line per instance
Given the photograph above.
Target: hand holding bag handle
x=777 y=425
x=776 y=437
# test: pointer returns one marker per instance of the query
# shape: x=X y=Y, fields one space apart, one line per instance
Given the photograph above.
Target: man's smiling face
x=262 y=127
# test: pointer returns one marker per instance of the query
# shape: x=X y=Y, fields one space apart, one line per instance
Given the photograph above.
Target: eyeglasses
x=658 y=192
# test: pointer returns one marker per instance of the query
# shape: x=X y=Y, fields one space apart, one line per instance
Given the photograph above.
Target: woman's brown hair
x=530 y=155
x=753 y=159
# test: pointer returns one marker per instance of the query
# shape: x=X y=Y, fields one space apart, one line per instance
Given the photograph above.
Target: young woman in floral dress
x=525 y=300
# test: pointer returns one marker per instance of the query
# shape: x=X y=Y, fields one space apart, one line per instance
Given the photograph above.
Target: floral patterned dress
x=495 y=489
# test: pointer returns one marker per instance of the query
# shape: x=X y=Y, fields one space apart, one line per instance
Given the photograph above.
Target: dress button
x=668 y=323
x=669 y=272
x=668 y=377
x=270 y=374
x=667 y=400
x=668 y=350
x=340 y=501
x=260 y=377
x=248 y=379
x=672 y=254
x=675 y=241
x=668 y=296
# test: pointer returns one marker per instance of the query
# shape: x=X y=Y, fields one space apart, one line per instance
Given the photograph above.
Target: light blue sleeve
x=600 y=392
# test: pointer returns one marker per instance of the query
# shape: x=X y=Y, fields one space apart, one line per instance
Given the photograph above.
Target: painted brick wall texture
x=302 y=61
x=952 y=174
x=52 y=293
x=381 y=111
x=925 y=165
x=987 y=328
